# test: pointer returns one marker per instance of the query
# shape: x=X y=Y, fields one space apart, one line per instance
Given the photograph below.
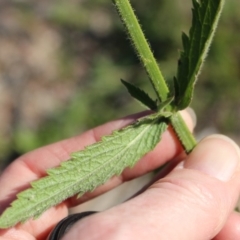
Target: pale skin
x=194 y=201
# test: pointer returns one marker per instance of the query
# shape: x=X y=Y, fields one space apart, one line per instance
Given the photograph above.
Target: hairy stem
x=187 y=139
x=142 y=48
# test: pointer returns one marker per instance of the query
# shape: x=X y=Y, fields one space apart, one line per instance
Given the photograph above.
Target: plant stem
x=142 y=48
x=146 y=56
x=187 y=139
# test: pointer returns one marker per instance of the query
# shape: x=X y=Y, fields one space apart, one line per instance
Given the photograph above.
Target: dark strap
x=66 y=223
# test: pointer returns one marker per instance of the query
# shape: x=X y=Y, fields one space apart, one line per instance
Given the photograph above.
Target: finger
x=231 y=229
x=192 y=202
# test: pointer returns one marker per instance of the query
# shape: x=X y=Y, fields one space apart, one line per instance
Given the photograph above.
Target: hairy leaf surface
x=86 y=170
x=206 y=14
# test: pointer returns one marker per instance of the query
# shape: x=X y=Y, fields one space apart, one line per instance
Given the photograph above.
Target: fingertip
x=229 y=141
x=217 y=156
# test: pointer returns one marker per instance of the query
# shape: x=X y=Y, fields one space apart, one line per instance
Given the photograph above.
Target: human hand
x=187 y=204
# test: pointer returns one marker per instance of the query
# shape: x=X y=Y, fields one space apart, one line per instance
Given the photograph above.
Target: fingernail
x=217 y=156
x=193 y=115
x=190 y=117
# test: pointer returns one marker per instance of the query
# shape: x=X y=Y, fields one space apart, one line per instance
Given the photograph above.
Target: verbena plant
x=94 y=165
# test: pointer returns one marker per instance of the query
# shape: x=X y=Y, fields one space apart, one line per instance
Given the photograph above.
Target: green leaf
x=205 y=18
x=86 y=170
x=140 y=95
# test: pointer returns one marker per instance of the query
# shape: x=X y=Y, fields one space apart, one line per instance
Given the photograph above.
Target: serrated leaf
x=86 y=170
x=205 y=18
x=140 y=95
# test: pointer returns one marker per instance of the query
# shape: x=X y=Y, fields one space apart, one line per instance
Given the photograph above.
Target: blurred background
x=61 y=63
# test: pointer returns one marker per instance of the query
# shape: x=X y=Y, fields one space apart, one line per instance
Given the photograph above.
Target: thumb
x=192 y=202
